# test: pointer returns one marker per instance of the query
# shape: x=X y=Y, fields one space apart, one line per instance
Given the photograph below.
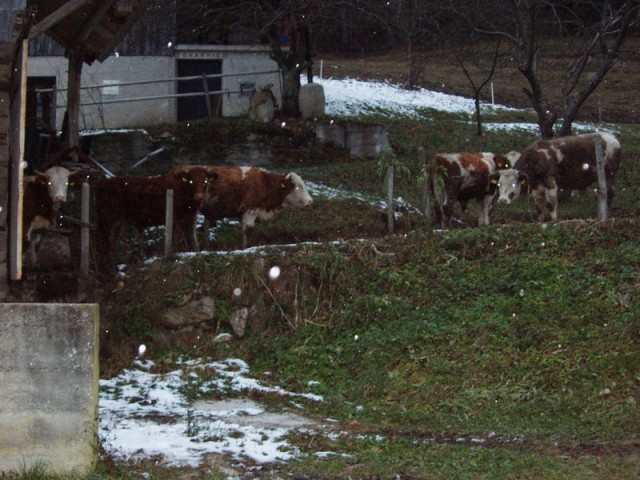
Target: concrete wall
x=49 y=395
x=241 y=59
x=235 y=59
x=115 y=69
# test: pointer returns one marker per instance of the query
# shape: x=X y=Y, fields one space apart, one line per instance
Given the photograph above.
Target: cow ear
x=523 y=178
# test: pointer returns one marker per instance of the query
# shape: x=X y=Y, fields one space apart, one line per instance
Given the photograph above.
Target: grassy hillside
x=504 y=352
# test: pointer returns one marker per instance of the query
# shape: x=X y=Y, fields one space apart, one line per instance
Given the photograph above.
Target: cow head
x=510 y=182
x=298 y=195
x=197 y=178
x=58 y=180
x=513 y=157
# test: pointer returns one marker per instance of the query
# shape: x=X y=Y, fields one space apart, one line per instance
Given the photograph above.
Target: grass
x=510 y=351
x=507 y=351
x=475 y=353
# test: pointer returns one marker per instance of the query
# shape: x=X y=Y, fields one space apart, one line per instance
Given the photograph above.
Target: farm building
x=142 y=81
x=107 y=64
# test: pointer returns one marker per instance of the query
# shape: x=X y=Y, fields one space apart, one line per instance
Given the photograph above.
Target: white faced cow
x=560 y=163
x=43 y=195
x=466 y=176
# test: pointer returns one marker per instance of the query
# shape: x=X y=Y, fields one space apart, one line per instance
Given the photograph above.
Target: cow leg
x=551 y=202
x=485 y=204
x=540 y=202
x=609 y=191
x=248 y=221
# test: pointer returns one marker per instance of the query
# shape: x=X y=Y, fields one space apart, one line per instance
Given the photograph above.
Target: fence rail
x=204 y=92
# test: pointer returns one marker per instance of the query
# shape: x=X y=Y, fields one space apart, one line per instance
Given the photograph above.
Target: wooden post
x=602 y=209
x=16 y=155
x=390 y=209
x=426 y=194
x=207 y=99
x=205 y=229
x=168 y=222
x=84 y=231
x=73 y=96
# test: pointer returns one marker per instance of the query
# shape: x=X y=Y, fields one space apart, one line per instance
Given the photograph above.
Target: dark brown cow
x=251 y=194
x=141 y=201
x=467 y=176
x=567 y=163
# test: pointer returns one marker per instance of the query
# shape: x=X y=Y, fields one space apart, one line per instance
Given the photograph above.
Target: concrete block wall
x=49 y=396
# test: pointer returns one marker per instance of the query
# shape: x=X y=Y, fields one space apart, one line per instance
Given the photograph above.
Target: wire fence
x=205 y=91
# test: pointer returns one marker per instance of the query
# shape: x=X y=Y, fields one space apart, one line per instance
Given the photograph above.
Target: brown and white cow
x=251 y=194
x=141 y=201
x=466 y=176
x=43 y=195
x=567 y=163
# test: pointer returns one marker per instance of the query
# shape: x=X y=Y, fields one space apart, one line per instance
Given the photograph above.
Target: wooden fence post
x=84 y=231
x=390 y=209
x=425 y=193
x=206 y=226
x=207 y=98
x=602 y=209
x=168 y=229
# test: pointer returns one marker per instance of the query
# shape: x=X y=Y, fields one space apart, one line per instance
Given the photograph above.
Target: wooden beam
x=96 y=17
x=124 y=28
x=53 y=18
x=16 y=155
x=73 y=94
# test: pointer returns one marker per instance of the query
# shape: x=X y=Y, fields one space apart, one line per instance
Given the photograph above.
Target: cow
x=466 y=176
x=43 y=194
x=250 y=194
x=141 y=201
x=262 y=104
x=560 y=163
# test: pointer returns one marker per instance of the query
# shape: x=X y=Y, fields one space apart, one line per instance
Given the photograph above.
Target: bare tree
x=415 y=23
x=484 y=66
x=591 y=33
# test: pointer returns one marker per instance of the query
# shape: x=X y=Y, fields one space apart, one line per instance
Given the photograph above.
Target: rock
x=193 y=313
x=238 y=321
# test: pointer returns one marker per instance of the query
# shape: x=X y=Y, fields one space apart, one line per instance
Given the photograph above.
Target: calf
x=141 y=201
x=560 y=163
x=43 y=195
x=262 y=104
x=468 y=175
x=251 y=194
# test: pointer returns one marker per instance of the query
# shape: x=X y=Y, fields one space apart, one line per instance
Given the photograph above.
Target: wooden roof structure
x=96 y=26
x=88 y=30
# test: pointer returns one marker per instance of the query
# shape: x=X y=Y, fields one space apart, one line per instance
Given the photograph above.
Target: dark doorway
x=40 y=125
x=193 y=108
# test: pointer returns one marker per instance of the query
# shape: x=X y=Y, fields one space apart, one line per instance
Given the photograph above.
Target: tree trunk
x=290 y=91
x=476 y=101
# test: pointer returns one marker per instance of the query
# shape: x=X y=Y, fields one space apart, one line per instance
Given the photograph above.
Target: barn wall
x=235 y=59
x=120 y=69
x=49 y=396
